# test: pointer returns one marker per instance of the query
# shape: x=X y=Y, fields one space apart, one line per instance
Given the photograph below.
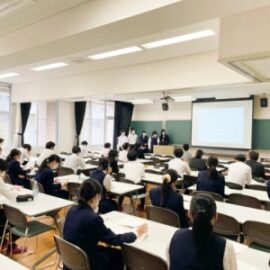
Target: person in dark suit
x=154 y=140
x=256 y=167
x=210 y=180
x=18 y=176
x=197 y=163
x=164 y=138
x=166 y=197
x=143 y=140
x=85 y=228
x=140 y=151
x=201 y=248
x=45 y=176
x=268 y=188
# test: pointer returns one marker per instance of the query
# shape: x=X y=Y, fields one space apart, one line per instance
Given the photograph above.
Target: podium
x=164 y=149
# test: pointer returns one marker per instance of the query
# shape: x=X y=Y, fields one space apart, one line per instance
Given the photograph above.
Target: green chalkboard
x=148 y=126
x=261 y=134
x=179 y=131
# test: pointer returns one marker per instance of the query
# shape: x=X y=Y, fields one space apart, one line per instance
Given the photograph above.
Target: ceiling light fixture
x=179 y=39
x=8 y=75
x=50 y=66
x=114 y=53
x=141 y=101
x=183 y=98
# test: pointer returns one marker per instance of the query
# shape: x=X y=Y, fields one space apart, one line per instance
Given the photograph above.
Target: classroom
x=134 y=134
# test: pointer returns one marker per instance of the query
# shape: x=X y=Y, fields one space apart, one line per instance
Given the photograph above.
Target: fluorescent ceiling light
x=178 y=39
x=183 y=98
x=8 y=75
x=141 y=101
x=50 y=66
x=114 y=53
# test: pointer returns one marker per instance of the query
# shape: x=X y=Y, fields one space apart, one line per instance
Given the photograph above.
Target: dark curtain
x=79 y=117
x=122 y=119
x=25 y=111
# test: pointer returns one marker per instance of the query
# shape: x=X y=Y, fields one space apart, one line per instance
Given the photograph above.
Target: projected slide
x=225 y=124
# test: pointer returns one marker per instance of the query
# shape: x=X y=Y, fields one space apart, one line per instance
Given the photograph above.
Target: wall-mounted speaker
x=264 y=102
x=165 y=106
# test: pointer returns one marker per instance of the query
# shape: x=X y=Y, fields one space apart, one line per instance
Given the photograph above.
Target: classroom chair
x=72 y=256
x=162 y=215
x=244 y=200
x=258 y=234
x=135 y=259
x=154 y=172
x=256 y=187
x=215 y=196
x=62 y=171
x=189 y=181
x=267 y=206
x=228 y=227
x=21 y=227
x=73 y=191
x=40 y=186
x=233 y=185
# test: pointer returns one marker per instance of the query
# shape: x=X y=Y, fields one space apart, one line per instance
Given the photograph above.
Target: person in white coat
x=25 y=153
x=75 y=160
x=47 y=152
x=121 y=140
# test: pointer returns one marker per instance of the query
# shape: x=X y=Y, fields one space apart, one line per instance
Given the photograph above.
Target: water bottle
x=35 y=189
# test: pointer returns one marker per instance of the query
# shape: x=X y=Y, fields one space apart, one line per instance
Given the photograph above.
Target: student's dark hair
x=103 y=164
x=125 y=146
x=212 y=163
x=178 y=152
x=107 y=145
x=131 y=129
x=253 y=155
x=163 y=130
x=27 y=146
x=168 y=179
x=50 y=145
x=1 y=140
x=240 y=157
x=88 y=190
x=3 y=165
x=48 y=160
x=122 y=130
x=154 y=132
x=84 y=143
x=143 y=131
x=113 y=154
x=186 y=147
x=13 y=153
x=76 y=150
x=202 y=208
x=132 y=155
x=199 y=153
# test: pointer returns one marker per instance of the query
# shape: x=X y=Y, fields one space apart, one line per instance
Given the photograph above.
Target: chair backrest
x=73 y=190
x=15 y=217
x=257 y=232
x=189 y=180
x=7 y=179
x=227 y=226
x=244 y=200
x=233 y=185
x=257 y=187
x=267 y=206
x=72 y=256
x=215 y=196
x=162 y=215
x=136 y=259
x=40 y=186
x=62 y=171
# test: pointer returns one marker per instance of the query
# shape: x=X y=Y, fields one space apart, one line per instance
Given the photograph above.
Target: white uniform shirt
x=84 y=150
x=186 y=156
x=123 y=156
x=6 y=190
x=240 y=173
x=134 y=171
x=121 y=140
x=180 y=166
x=45 y=154
x=132 y=138
x=105 y=152
x=24 y=155
x=74 y=162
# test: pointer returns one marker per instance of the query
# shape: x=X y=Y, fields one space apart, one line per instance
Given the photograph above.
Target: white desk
x=7 y=264
x=253 y=182
x=152 y=178
x=89 y=167
x=248 y=259
x=151 y=167
x=240 y=213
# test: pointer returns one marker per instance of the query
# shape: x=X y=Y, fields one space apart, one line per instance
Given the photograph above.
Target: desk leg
x=132 y=205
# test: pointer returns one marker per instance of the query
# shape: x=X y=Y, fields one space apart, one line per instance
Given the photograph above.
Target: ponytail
x=48 y=160
x=13 y=153
x=212 y=163
x=88 y=190
x=203 y=210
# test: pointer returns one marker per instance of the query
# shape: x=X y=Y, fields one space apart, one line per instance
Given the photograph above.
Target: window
x=98 y=126
x=42 y=123
x=4 y=117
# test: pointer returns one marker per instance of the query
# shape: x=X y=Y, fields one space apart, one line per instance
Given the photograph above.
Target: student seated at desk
x=8 y=193
x=257 y=168
x=178 y=164
x=84 y=148
x=25 y=153
x=186 y=155
x=268 y=188
x=124 y=152
x=75 y=160
x=166 y=197
x=197 y=163
x=140 y=151
x=85 y=228
x=106 y=150
x=134 y=171
x=102 y=175
x=239 y=172
x=210 y=180
x=18 y=176
x=200 y=247
x=48 y=151
x=113 y=162
x=45 y=176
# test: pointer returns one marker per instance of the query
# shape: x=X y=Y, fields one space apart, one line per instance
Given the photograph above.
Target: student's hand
x=110 y=170
x=57 y=181
x=64 y=185
x=143 y=229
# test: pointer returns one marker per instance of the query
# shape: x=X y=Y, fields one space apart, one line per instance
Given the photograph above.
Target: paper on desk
x=130 y=222
x=245 y=266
